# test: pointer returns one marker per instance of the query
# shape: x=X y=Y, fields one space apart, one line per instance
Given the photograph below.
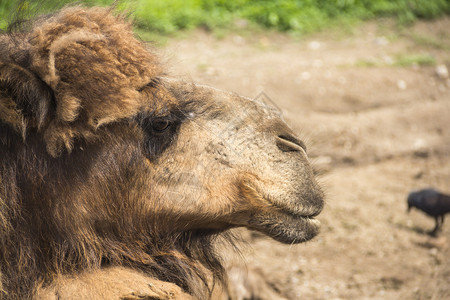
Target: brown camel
x=110 y=170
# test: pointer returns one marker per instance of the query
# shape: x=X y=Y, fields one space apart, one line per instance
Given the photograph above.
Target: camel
x=116 y=180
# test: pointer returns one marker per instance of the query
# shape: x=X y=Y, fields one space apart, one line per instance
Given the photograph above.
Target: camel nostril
x=288 y=143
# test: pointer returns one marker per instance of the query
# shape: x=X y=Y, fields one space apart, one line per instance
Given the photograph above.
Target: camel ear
x=25 y=100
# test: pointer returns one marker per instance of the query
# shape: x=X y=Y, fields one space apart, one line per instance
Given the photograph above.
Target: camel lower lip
x=286 y=228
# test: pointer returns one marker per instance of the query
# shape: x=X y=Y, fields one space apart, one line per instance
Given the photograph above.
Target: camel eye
x=159 y=132
x=160 y=125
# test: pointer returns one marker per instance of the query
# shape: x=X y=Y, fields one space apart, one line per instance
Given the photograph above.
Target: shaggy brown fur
x=105 y=163
x=111 y=283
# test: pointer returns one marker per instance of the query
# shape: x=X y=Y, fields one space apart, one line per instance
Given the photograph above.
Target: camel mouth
x=285 y=224
x=305 y=212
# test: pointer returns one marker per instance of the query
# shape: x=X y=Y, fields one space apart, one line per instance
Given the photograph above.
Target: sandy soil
x=374 y=133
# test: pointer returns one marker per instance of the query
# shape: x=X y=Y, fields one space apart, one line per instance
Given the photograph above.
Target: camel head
x=233 y=161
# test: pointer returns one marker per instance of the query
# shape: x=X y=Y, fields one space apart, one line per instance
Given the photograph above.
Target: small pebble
x=401 y=84
x=442 y=71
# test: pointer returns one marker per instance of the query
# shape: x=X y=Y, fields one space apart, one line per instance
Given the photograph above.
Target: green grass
x=415 y=60
x=401 y=60
x=368 y=63
x=298 y=16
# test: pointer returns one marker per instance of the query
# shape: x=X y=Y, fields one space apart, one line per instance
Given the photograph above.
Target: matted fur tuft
x=94 y=66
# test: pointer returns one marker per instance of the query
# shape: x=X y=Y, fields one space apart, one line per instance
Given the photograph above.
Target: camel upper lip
x=307 y=212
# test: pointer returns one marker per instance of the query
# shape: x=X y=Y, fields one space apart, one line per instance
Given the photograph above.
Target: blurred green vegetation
x=418 y=60
x=300 y=16
x=11 y=10
x=400 y=60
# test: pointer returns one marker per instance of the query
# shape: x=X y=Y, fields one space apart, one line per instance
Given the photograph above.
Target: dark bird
x=433 y=203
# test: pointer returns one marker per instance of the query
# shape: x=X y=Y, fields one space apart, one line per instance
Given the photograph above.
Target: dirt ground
x=375 y=131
